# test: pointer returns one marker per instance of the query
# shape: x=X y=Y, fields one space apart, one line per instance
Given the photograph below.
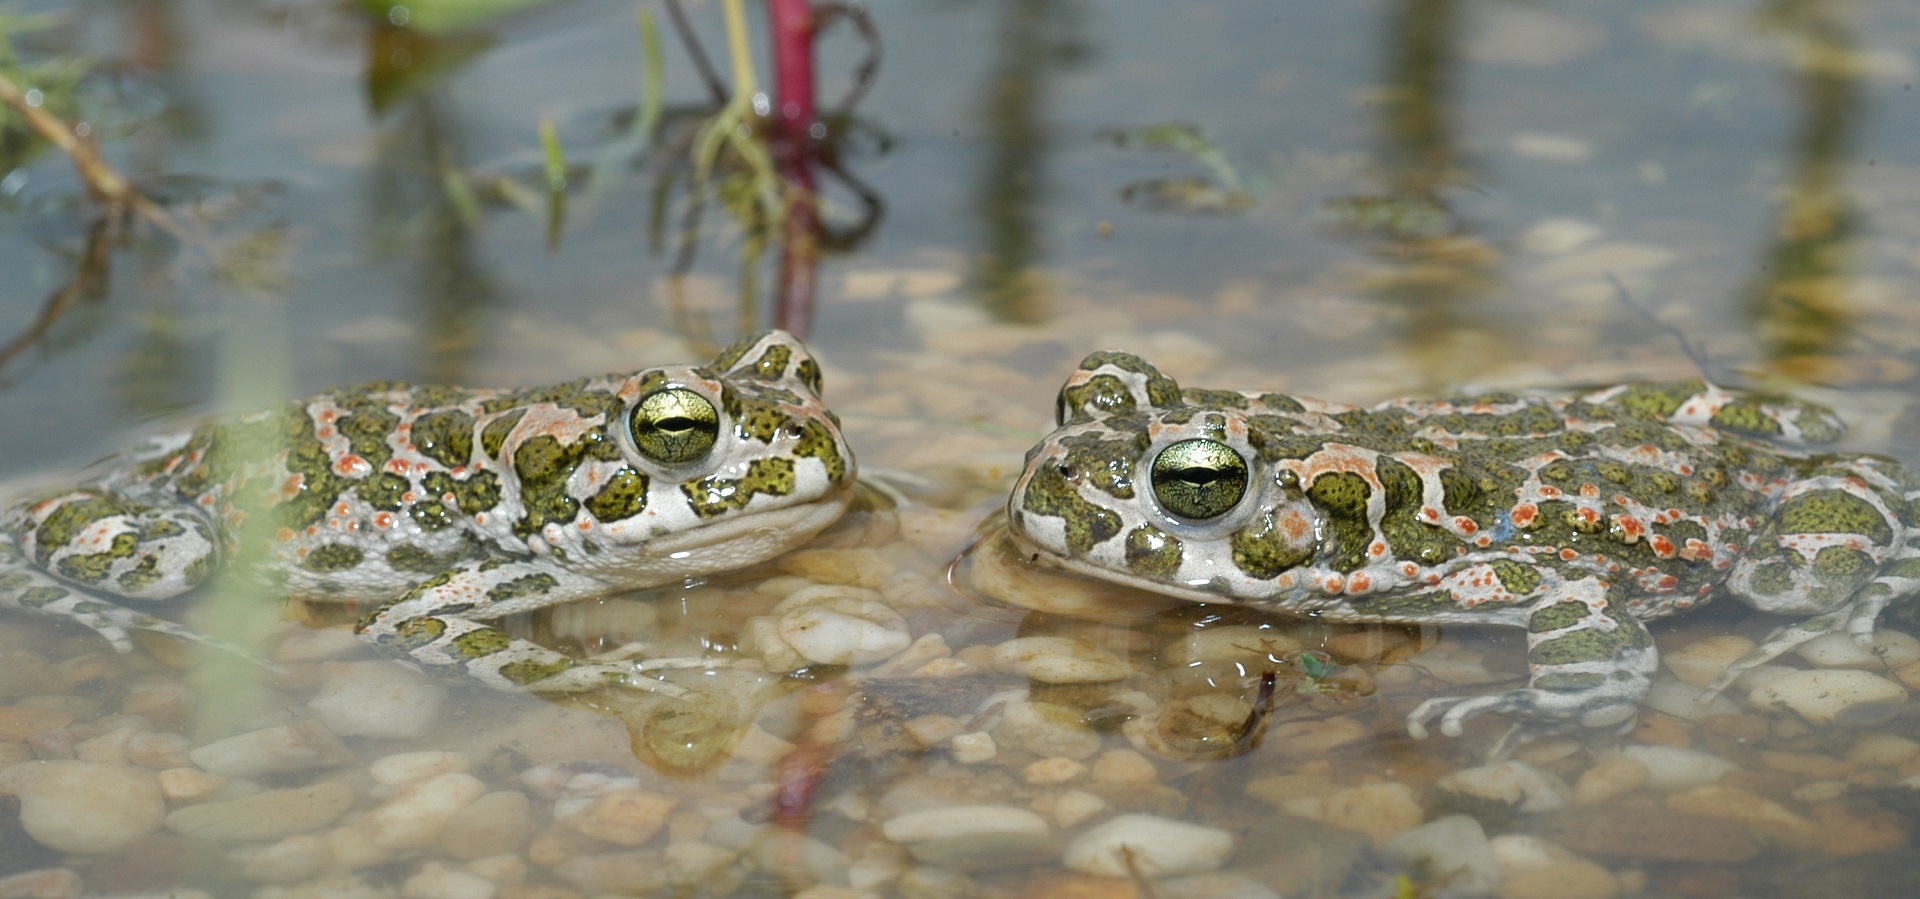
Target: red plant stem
x=792 y=24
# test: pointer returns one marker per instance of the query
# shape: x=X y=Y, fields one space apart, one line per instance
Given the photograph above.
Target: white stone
x=1073 y=807
x=841 y=625
x=1452 y=850
x=1890 y=649
x=377 y=699
x=294 y=858
x=437 y=881
x=1515 y=853
x=1147 y=846
x=85 y=807
x=300 y=746
x=1060 y=660
x=1046 y=729
x=267 y=815
x=973 y=748
x=1686 y=702
x=58 y=883
x=1550 y=147
x=1671 y=769
x=1554 y=236
x=973 y=837
x=403 y=768
x=1512 y=782
x=413 y=818
x=1823 y=695
x=1698 y=663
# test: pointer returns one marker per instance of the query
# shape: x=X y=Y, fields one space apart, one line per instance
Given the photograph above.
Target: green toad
x=443 y=508
x=1577 y=516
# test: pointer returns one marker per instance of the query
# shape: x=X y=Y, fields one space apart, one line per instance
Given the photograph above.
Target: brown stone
x=623 y=817
x=18 y=722
x=1649 y=833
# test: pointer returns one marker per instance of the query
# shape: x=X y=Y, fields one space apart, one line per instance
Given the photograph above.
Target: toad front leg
x=1589 y=661
x=441 y=625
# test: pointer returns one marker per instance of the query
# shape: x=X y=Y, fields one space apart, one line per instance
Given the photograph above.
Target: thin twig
x=715 y=86
x=101 y=179
x=89 y=279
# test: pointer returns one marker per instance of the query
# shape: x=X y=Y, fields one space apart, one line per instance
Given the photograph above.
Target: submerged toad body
x=443 y=508
x=1575 y=516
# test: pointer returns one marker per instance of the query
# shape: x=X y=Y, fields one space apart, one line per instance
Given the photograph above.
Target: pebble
x=1888 y=750
x=1609 y=778
x=1515 y=852
x=1123 y=767
x=403 y=768
x=85 y=807
x=495 y=824
x=1072 y=807
x=616 y=873
x=1381 y=811
x=1314 y=736
x=1822 y=695
x=1052 y=771
x=294 y=858
x=1557 y=235
x=1046 y=729
x=1890 y=649
x=1452 y=850
x=267 y=815
x=973 y=837
x=1235 y=644
x=437 y=881
x=379 y=699
x=1568 y=879
x=20 y=722
x=1671 y=696
x=1060 y=660
x=313 y=644
x=181 y=785
x=623 y=817
x=839 y=625
x=301 y=746
x=44 y=883
x=1640 y=833
x=1147 y=846
x=1698 y=663
x=1511 y=782
x=414 y=818
x=973 y=748
x=1671 y=768
x=1762 y=814
x=158 y=751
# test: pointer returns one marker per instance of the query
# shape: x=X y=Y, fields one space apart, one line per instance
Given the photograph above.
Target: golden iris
x=1199 y=479
x=675 y=425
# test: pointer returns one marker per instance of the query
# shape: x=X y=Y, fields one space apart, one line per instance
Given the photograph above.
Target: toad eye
x=1199 y=479
x=675 y=425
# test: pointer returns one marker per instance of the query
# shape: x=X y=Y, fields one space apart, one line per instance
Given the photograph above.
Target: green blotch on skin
x=429 y=514
x=143 y=574
x=494 y=436
x=1569 y=681
x=623 y=496
x=1519 y=578
x=384 y=491
x=1343 y=496
x=714 y=495
x=158 y=529
x=1659 y=400
x=754 y=419
x=414 y=633
x=366 y=427
x=1161 y=390
x=1265 y=553
x=1834 y=512
x=1049 y=494
x=1554 y=617
x=817 y=442
x=808 y=371
x=1747 y=416
x=1217 y=399
x=1099 y=395
x=333 y=557
x=530 y=671
x=41 y=597
x=1152 y=552
x=445 y=437
x=544 y=465
x=536 y=584
x=72 y=517
x=93 y=567
x=473 y=494
x=414 y=560
x=481 y=642
x=1406 y=534
x=772 y=364
x=1591 y=645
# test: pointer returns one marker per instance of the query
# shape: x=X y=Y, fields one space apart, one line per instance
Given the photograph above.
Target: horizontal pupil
x=1199 y=475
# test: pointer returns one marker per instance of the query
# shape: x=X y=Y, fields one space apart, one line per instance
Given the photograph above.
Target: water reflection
x=1800 y=307
x=1031 y=41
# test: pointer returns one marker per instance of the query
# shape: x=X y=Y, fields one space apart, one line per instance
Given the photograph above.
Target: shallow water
x=1366 y=200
